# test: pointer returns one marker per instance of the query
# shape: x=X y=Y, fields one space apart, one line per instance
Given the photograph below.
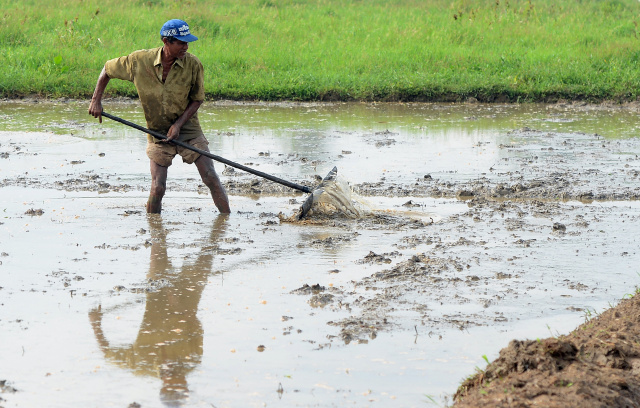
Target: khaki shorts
x=163 y=153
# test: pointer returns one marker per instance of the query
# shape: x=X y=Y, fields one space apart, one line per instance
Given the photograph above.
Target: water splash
x=334 y=197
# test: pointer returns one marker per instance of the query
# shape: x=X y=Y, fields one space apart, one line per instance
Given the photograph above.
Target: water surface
x=103 y=305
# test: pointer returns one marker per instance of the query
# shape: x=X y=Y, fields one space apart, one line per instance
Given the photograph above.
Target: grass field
x=400 y=50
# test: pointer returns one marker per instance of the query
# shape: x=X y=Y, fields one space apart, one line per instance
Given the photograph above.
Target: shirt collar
x=158 y=60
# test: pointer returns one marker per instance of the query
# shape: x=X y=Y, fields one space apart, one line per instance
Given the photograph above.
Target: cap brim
x=186 y=38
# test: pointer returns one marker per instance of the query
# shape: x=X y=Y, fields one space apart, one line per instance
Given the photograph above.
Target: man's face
x=176 y=49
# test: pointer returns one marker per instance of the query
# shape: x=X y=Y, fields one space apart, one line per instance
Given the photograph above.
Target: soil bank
x=596 y=365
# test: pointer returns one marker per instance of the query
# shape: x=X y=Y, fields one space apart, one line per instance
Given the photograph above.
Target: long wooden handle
x=211 y=155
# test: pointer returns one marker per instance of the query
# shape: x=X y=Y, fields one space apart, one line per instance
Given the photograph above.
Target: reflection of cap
x=173 y=398
x=177 y=29
x=174 y=392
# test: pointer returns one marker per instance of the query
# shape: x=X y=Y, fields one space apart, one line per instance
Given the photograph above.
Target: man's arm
x=95 y=317
x=95 y=109
x=174 y=130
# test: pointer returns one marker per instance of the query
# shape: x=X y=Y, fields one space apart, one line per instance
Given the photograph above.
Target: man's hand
x=174 y=130
x=95 y=109
x=173 y=133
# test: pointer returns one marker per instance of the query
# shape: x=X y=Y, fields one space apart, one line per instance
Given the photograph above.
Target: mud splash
x=332 y=199
x=336 y=198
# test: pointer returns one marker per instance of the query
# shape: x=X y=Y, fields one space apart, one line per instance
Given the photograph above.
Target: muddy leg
x=211 y=180
x=158 y=187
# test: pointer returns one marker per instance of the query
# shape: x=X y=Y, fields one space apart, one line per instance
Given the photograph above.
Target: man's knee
x=158 y=188
x=210 y=178
x=158 y=179
x=207 y=172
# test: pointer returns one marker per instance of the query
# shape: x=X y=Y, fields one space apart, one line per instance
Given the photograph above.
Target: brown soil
x=597 y=365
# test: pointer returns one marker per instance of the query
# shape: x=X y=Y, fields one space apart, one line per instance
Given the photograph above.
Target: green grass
x=412 y=50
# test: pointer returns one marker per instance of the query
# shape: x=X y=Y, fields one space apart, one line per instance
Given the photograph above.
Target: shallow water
x=103 y=305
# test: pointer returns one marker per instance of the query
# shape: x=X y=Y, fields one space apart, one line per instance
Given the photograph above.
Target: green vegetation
x=516 y=50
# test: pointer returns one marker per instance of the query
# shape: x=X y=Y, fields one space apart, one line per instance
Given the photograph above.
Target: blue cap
x=177 y=29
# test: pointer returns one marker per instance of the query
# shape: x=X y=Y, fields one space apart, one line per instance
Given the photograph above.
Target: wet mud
x=596 y=365
x=540 y=232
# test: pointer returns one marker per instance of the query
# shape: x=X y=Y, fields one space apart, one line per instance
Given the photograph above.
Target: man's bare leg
x=158 y=187
x=211 y=180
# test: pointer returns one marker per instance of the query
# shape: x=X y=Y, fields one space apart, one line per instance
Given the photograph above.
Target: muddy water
x=493 y=222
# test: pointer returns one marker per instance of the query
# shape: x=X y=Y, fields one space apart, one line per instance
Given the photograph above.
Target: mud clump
x=321 y=300
x=5 y=387
x=372 y=257
x=34 y=212
x=307 y=289
x=559 y=227
x=596 y=365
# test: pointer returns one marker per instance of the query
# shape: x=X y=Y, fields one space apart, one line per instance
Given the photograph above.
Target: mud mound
x=597 y=365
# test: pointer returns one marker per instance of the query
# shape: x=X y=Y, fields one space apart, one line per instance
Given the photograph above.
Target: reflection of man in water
x=169 y=341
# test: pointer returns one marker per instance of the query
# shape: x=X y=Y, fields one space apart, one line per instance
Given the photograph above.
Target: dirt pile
x=596 y=365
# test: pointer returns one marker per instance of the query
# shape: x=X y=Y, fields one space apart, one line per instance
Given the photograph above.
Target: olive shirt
x=163 y=103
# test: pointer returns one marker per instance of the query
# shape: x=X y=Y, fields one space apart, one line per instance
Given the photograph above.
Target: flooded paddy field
x=488 y=223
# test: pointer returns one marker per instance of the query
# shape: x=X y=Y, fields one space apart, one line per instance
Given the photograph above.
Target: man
x=170 y=85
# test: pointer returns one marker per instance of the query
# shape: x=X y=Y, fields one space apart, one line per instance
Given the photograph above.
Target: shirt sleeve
x=197 y=87
x=120 y=68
